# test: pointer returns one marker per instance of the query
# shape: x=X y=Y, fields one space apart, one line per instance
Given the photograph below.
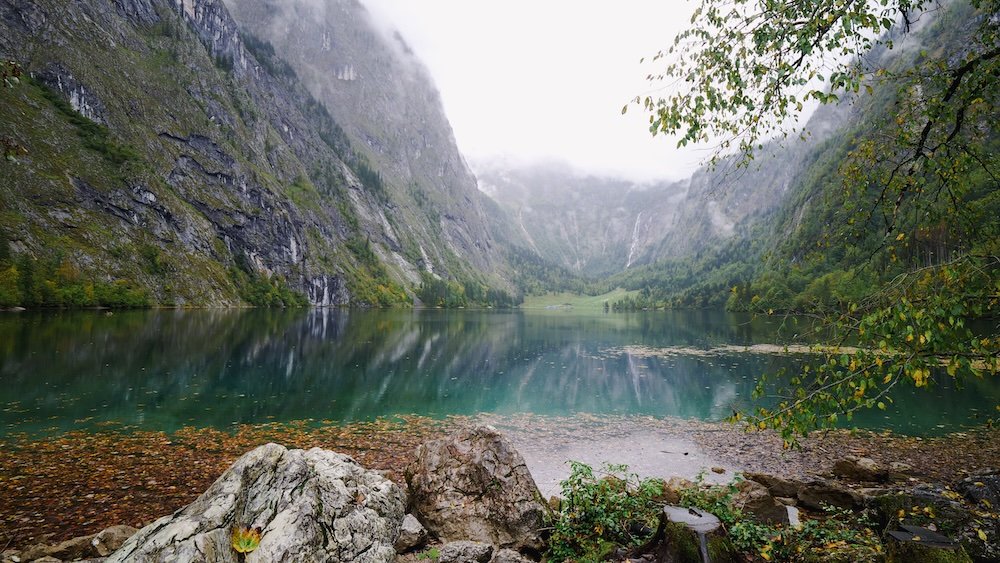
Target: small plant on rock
x=431 y=554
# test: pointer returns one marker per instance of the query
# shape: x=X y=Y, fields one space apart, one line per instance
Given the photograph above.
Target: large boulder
x=475 y=486
x=313 y=505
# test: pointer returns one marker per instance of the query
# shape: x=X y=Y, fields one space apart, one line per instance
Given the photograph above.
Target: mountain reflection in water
x=164 y=369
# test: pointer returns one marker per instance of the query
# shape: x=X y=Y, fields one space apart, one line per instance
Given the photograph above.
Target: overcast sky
x=546 y=79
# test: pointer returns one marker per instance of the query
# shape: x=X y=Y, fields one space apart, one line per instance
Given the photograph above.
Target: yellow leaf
x=901 y=236
x=981 y=534
x=245 y=540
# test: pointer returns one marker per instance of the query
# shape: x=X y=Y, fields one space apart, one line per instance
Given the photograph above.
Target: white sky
x=546 y=79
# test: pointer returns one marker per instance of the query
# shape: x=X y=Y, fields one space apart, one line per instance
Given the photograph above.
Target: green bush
x=261 y=291
x=58 y=283
x=599 y=514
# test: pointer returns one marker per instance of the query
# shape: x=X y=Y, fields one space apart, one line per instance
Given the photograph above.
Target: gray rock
x=412 y=535
x=776 y=485
x=672 y=489
x=96 y=545
x=69 y=550
x=900 y=467
x=983 y=491
x=756 y=500
x=465 y=552
x=859 y=469
x=509 y=556
x=980 y=487
x=475 y=486
x=817 y=495
x=107 y=541
x=313 y=505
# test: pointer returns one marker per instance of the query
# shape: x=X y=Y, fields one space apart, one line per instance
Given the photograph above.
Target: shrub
x=602 y=513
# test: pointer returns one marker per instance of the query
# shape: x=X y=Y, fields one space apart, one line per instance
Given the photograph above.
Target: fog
x=535 y=81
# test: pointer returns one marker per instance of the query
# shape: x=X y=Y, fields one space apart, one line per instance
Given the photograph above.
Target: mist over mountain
x=600 y=226
x=201 y=152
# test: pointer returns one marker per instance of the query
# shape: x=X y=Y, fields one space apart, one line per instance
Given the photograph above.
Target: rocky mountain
x=384 y=98
x=167 y=154
x=599 y=226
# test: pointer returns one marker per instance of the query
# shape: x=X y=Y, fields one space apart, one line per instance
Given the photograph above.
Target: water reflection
x=166 y=369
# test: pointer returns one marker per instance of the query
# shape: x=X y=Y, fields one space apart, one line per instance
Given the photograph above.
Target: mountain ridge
x=172 y=159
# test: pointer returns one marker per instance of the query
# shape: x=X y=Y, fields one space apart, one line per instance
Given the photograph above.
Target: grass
x=576 y=301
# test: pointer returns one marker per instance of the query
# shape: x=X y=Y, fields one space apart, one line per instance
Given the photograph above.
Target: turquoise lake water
x=164 y=369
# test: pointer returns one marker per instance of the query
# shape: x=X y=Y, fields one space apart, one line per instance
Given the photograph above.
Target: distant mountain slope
x=778 y=234
x=602 y=226
x=822 y=246
x=172 y=158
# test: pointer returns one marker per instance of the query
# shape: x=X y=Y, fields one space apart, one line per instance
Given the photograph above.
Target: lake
x=164 y=369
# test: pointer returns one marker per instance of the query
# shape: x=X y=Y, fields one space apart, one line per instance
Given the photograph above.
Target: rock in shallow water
x=313 y=505
x=475 y=486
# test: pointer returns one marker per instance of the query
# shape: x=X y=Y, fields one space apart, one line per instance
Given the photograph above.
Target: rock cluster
x=472 y=496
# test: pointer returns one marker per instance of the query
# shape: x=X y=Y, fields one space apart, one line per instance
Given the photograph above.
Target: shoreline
x=79 y=483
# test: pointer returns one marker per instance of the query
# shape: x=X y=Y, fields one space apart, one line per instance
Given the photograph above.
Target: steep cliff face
x=167 y=160
x=386 y=102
